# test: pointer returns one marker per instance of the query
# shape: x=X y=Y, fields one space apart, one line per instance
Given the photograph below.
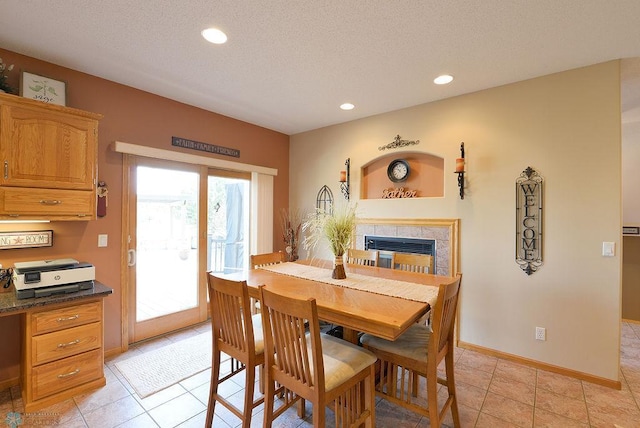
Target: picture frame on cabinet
x=42 y=88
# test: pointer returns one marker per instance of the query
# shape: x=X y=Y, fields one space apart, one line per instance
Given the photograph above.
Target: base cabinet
x=63 y=353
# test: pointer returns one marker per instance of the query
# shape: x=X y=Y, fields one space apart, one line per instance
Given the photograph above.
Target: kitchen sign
x=529 y=221
x=40 y=238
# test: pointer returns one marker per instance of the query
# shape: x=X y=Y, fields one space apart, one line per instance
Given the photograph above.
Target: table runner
x=388 y=287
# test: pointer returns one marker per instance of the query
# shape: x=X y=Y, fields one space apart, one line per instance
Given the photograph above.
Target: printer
x=48 y=277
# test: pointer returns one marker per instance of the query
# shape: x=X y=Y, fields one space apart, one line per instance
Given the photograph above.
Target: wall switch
x=102 y=240
x=541 y=333
x=608 y=249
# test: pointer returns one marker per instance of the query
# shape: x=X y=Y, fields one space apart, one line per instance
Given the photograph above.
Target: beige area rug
x=156 y=370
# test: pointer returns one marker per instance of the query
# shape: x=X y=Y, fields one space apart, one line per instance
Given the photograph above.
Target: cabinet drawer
x=19 y=201
x=72 y=316
x=57 y=376
x=64 y=343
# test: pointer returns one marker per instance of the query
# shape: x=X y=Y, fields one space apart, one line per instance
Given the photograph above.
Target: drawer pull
x=73 y=373
x=50 y=201
x=71 y=318
x=64 y=345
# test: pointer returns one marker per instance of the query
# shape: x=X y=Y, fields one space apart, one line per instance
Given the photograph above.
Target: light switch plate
x=608 y=249
x=102 y=240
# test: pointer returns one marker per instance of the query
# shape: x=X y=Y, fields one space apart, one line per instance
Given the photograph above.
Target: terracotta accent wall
x=136 y=117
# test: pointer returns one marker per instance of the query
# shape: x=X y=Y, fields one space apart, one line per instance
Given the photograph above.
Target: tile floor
x=492 y=393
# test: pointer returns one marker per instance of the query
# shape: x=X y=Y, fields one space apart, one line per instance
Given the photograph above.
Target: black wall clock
x=398 y=170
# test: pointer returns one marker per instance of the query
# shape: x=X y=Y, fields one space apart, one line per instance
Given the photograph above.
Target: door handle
x=131 y=257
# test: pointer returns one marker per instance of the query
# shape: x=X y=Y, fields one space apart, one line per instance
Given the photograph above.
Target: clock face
x=398 y=170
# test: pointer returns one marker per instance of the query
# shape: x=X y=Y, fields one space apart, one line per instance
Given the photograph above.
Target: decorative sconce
x=460 y=170
x=345 y=179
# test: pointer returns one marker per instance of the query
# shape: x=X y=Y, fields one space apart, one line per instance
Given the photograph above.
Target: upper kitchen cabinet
x=48 y=156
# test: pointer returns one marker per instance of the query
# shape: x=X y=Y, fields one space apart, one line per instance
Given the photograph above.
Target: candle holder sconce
x=345 y=179
x=460 y=170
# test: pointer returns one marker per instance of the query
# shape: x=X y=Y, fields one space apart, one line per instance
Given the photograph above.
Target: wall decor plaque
x=43 y=88
x=529 y=220
x=40 y=238
x=204 y=147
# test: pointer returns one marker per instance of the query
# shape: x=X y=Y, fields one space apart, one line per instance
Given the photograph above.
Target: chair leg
x=213 y=389
x=451 y=388
x=250 y=382
x=370 y=397
x=269 y=398
x=432 y=396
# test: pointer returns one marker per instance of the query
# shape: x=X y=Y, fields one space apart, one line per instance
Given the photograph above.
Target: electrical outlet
x=103 y=240
x=541 y=333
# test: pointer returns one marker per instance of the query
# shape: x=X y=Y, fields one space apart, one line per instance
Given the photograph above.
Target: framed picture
x=43 y=88
x=631 y=230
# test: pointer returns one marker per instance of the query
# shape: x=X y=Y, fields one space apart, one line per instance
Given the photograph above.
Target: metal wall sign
x=204 y=147
x=529 y=220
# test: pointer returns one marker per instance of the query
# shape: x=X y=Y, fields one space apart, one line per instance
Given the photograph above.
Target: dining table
x=370 y=308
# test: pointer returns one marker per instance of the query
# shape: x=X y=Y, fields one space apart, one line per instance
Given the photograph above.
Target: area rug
x=156 y=370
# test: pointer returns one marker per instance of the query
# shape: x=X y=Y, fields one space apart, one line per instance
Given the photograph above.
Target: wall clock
x=398 y=170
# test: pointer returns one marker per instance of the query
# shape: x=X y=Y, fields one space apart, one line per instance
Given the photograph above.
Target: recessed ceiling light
x=443 y=80
x=347 y=106
x=214 y=35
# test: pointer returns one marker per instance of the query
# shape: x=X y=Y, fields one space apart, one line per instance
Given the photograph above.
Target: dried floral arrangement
x=337 y=228
x=291 y=222
x=4 y=86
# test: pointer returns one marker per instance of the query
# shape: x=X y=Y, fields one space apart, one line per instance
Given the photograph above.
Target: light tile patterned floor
x=492 y=393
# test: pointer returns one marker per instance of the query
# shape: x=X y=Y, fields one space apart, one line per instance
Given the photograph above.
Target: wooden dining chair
x=417 y=353
x=237 y=333
x=422 y=263
x=266 y=259
x=314 y=367
x=363 y=257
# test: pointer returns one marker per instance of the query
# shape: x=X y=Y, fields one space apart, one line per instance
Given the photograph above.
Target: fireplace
x=444 y=235
x=388 y=244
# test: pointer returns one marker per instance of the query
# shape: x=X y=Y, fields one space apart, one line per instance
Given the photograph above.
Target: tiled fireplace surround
x=446 y=233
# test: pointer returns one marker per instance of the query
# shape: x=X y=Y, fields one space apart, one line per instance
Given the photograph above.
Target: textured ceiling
x=289 y=64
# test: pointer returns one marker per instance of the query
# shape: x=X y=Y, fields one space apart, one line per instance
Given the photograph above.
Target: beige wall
x=567 y=127
x=135 y=117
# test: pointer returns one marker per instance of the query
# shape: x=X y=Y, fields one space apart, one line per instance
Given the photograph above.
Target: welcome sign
x=529 y=221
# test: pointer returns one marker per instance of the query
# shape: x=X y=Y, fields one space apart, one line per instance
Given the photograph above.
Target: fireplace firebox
x=388 y=244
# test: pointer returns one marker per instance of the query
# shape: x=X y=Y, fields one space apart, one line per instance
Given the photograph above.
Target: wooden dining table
x=355 y=310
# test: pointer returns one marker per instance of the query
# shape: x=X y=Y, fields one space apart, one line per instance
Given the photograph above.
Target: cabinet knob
x=50 y=201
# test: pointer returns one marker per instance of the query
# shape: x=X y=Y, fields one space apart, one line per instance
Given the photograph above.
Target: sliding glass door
x=183 y=221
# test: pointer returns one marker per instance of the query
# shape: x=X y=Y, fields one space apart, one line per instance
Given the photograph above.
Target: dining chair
x=237 y=333
x=266 y=259
x=363 y=257
x=312 y=366
x=422 y=263
x=417 y=353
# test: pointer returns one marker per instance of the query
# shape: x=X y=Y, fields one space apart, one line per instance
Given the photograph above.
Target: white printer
x=47 y=277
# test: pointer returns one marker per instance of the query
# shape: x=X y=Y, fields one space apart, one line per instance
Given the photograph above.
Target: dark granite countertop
x=9 y=304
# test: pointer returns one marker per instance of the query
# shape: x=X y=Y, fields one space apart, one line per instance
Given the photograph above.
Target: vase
x=338 y=268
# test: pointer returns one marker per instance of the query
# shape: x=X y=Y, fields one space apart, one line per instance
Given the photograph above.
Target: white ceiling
x=289 y=64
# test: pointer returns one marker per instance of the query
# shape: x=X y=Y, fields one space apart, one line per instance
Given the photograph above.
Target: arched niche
x=426 y=175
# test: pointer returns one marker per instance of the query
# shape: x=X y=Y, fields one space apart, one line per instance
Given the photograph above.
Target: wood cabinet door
x=47 y=148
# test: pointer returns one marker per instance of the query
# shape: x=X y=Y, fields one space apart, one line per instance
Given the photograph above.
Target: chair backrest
x=422 y=263
x=363 y=257
x=444 y=314
x=293 y=358
x=231 y=317
x=258 y=260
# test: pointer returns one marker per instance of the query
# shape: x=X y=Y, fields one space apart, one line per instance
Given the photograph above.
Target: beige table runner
x=388 y=287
